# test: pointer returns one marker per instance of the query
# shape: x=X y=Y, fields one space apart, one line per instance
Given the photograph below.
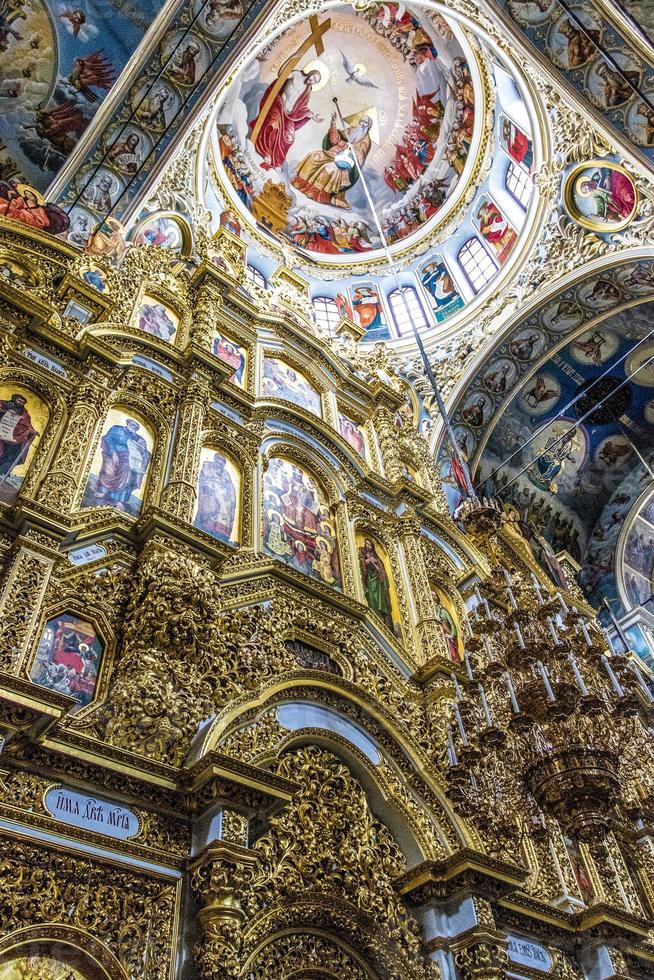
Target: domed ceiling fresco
x=388 y=90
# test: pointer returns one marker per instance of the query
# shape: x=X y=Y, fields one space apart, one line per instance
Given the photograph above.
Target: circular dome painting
x=386 y=92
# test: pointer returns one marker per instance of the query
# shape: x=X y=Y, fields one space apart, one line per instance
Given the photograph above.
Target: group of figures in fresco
x=310 y=152
x=595 y=58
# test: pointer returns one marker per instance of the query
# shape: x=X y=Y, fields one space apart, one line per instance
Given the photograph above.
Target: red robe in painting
x=277 y=134
x=518 y=144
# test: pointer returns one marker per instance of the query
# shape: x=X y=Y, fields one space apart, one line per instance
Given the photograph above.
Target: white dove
x=355 y=73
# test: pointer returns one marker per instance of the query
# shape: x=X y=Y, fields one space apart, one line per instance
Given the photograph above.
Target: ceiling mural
x=596 y=59
x=641 y=12
x=200 y=37
x=290 y=154
x=59 y=62
x=530 y=414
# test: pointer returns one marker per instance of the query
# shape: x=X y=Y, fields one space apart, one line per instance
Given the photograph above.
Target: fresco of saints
x=217 y=499
x=296 y=523
x=17 y=434
x=154 y=319
x=327 y=174
x=288 y=111
x=39 y=968
x=281 y=381
x=125 y=154
x=376 y=583
x=450 y=630
x=495 y=229
x=68 y=659
x=125 y=458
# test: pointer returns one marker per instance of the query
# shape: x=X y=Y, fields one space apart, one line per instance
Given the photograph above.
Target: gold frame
x=599 y=227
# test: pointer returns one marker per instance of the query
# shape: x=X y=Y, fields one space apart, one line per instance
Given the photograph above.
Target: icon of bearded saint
x=327 y=174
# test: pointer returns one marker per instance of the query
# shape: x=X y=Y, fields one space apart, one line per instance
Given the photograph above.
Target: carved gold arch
x=377 y=721
x=70 y=942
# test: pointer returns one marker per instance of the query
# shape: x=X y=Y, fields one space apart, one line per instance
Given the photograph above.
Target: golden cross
x=314 y=39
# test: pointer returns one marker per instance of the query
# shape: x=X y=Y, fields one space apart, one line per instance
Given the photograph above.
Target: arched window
x=519 y=184
x=252 y=274
x=406 y=309
x=325 y=313
x=476 y=263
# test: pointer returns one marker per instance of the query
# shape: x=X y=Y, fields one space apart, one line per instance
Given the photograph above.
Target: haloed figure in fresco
x=68 y=658
x=125 y=459
x=376 y=583
x=16 y=436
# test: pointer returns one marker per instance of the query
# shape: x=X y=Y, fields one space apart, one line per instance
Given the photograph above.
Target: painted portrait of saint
x=377 y=581
x=157 y=319
x=69 y=657
x=601 y=197
x=280 y=380
x=219 y=497
x=120 y=465
x=20 y=202
x=233 y=354
x=129 y=149
x=444 y=296
x=515 y=141
x=23 y=420
x=353 y=433
x=447 y=618
x=163 y=231
x=298 y=526
x=369 y=312
x=494 y=228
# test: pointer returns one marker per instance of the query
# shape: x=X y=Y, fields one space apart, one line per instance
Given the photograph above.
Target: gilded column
x=61 y=484
x=21 y=595
x=349 y=558
x=429 y=634
x=180 y=492
x=206 y=309
x=218 y=878
x=387 y=437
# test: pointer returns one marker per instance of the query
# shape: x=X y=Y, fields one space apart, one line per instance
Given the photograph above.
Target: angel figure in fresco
x=216 y=499
x=93 y=71
x=582 y=43
x=376 y=584
x=288 y=111
x=327 y=174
